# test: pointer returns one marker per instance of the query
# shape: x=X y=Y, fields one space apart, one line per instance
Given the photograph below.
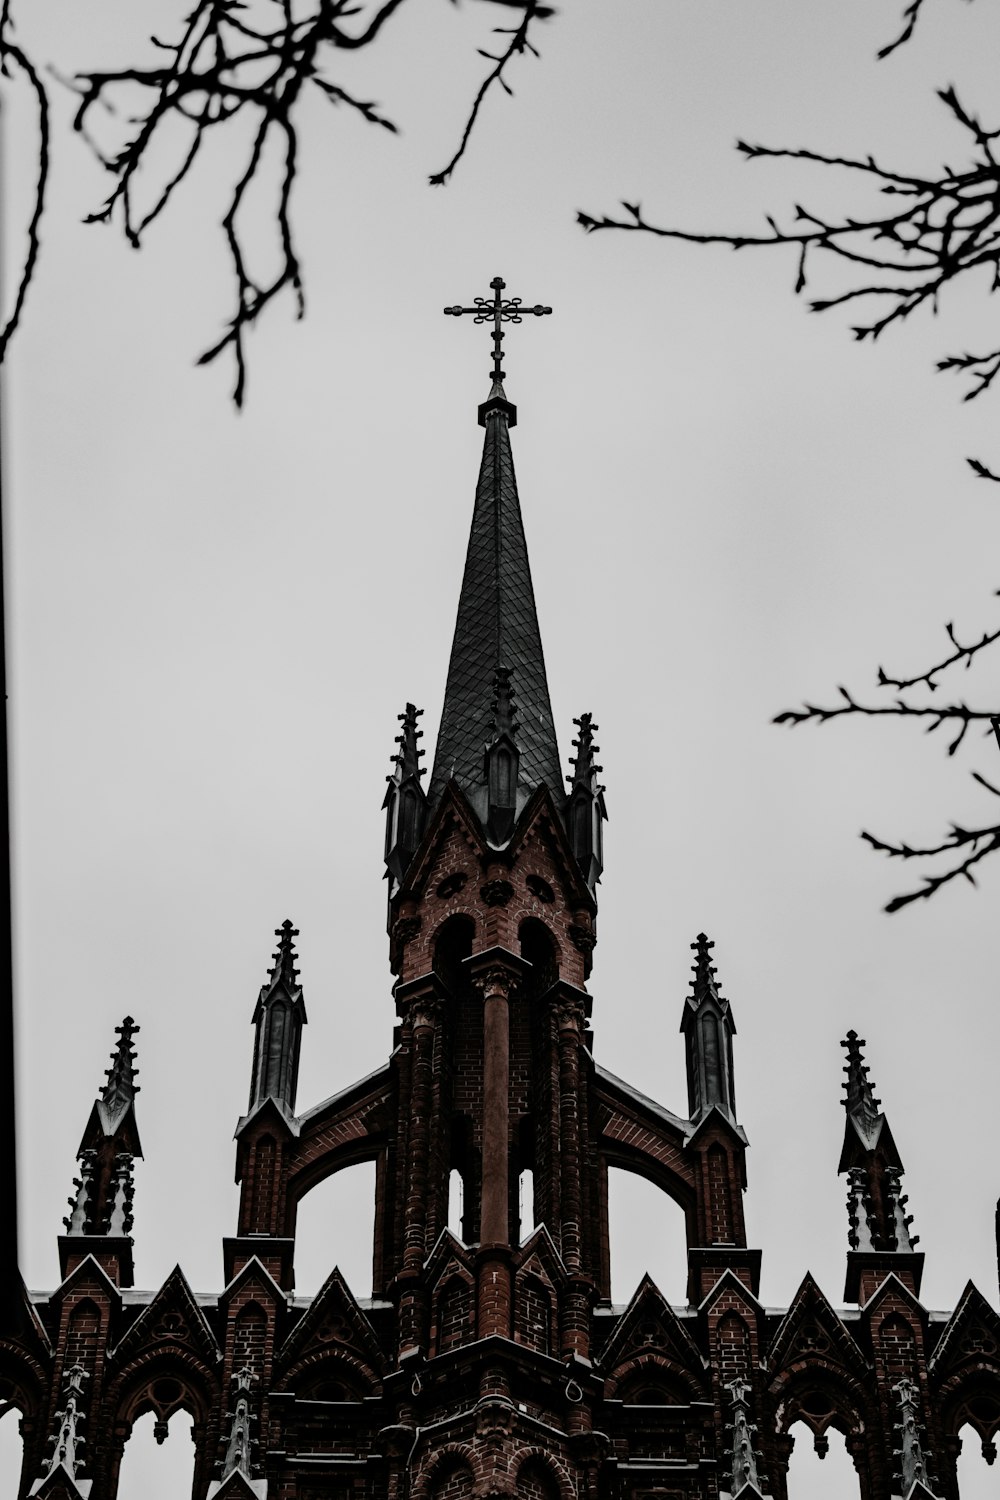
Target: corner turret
x=708 y=1027
x=279 y=1018
x=585 y=809
x=405 y=804
x=100 y=1219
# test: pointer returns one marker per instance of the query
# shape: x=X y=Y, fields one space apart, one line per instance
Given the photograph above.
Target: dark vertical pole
x=10 y=1298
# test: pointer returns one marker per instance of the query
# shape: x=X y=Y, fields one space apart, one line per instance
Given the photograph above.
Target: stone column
x=421 y=1023
x=569 y=1015
x=495 y=986
x=495 y=973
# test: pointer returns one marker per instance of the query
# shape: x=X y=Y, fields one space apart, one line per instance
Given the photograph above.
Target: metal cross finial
x=499 y=310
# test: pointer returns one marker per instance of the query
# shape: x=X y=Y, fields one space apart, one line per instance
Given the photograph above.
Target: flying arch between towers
x=490 y=1360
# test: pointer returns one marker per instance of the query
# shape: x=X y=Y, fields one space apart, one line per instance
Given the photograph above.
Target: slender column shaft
x=494 y=1228
x=420 y=1104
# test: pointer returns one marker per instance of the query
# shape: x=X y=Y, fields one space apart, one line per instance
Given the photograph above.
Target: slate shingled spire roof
x=497 y=627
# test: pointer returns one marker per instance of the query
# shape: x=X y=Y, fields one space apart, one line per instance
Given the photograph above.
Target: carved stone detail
x=497 y=892
x=405 y=929
x=583 y=938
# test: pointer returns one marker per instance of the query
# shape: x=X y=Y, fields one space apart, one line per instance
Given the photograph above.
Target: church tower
x=490 y=1362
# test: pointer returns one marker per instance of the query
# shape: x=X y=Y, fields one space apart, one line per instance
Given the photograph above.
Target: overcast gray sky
x=215 y=617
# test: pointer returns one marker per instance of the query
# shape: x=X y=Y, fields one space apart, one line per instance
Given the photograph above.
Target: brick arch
x=337 y=1363
x=642 y=1162
x=132 y=1393
x=451 y=940
x=554 y=1470
x=535 y=1310
x=535 y=1481
x=971 y=1395
x=732 y=1345
x=25 y=1376
x=249 y=1335
x=652 y=1366
x=798 y=1395
x=896 y=1340
x=452 y=1456
x=453 y=1310
x=535 y=936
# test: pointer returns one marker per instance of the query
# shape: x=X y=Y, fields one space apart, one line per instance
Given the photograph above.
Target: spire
x=101 y=1204
x=120 y=1088
x=405 y=804
x=708 y=1028
x=586 y=812
x=496 y=628
x=279 y=1017
x=876 y=1206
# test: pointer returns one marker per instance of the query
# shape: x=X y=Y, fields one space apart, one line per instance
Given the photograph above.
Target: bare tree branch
x=971 y=845
x=936 y=228
x=979 y=841
x=12 y=59
x=518 y=43
x=221 y=68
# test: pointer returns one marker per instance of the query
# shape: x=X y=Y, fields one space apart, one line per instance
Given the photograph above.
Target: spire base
x=867 y=1269
x=500 y=404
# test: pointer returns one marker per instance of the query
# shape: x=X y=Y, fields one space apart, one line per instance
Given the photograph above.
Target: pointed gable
x=811 y=1330
x=172 y=1317
x=332 y=1321
x=649 y=1324
x=971 y=1336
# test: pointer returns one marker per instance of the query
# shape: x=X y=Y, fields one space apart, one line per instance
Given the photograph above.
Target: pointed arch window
x=820 y=1467
x=11 y=1449
x=976 y=1481
x=159 y=1459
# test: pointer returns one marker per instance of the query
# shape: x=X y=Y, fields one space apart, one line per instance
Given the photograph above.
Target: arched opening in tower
x=335 y=1226
x=976 y=1480
x=11 y=1451
x=646 y=1235
x=526 y=1202
x=158 y=1471
x=452 y=946
x=820 y=1467
x=456 y=1204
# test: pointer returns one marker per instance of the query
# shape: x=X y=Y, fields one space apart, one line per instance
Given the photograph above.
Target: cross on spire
x=499 y=310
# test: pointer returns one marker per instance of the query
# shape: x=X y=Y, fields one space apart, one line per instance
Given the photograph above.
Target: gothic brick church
x=490 y=1362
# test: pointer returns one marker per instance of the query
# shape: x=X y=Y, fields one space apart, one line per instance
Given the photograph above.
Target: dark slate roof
x=497 y=627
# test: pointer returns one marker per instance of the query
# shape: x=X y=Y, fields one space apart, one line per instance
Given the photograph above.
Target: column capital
x=496 y=972
x=570 y=1004
x=419 y=998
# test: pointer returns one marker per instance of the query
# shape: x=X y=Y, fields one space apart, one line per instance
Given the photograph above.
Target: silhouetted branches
x=518 y=43
x=14 y=60
x=971 y=844
x=243 y=69
x=936 y=228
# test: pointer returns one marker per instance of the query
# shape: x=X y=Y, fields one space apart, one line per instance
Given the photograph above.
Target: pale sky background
x=215 y=617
